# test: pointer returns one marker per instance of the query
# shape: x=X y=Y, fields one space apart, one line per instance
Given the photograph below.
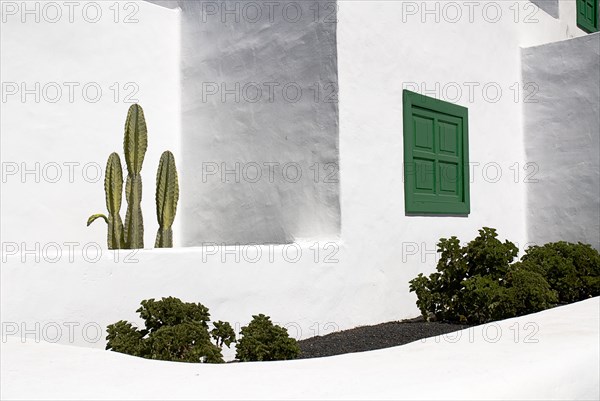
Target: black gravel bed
x=368 y=338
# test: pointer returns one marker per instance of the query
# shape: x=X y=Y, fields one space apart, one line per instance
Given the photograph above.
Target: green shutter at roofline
x=588 y=15
x=436 y=156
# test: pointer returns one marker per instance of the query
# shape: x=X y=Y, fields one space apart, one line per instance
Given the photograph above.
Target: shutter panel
x=435 y=156
x=587 y=15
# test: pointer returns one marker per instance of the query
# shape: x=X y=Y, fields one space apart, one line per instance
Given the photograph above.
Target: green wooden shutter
x=587 y=15
x=436 y=156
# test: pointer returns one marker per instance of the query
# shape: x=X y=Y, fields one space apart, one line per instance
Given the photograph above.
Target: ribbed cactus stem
x=135 y=145
x=113 y=188
x=167 y=196
x=164 y=238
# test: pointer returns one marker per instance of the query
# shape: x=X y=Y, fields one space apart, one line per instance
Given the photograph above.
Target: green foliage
x=123 y=337
x=185 y=342
x=131 y=234
x=486 y=255
x=263 y=341
x=477 y=283
x=444 y=296
x=172 y=311
x=223 y=333
x=519 y=293
x=167 y=195
x=528 y=291
x=573 y=270
x=486 y=299
x=113 y=188
x=174 y=331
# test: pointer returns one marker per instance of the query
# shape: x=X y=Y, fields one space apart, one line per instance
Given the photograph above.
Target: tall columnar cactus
x=135 y=145
x=113 y=188
x=131 y=235
x=167 y=196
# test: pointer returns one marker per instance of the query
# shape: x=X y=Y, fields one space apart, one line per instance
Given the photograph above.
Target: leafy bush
x=263 y=341
x=528 y=291
x=175 y=331
x=223 y=334
x=487 y=300
x=573 y=270
x=478 y=282
x=466 y=276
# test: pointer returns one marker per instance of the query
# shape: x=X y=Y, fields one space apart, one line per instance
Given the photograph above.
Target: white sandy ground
x=553 y=354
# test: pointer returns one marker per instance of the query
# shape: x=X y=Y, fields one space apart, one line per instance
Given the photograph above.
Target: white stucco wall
x=562 y=134
x=362 y=276
x=549 y=6
x=131 y=52
x=260 y=123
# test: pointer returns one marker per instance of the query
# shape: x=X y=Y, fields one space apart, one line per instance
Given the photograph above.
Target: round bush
x=573 y=270
x=263 y=341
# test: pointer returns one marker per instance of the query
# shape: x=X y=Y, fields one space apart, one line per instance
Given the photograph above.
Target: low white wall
x=92 y=290
x=562 y=139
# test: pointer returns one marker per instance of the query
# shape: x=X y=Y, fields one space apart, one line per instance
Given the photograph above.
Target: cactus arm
x=113 y=188
x=135 y=145
x=93 y=218
x=167 y=196
x=113 y=184
x=136 y=139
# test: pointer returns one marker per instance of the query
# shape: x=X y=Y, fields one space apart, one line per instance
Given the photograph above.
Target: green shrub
x=528 y=291
x=573 y=270
x=466 y=276
x=184 y=342
x=124 y=338
x=174 y=331
x=171 y=312
x=223 y=334
x=486 y=255
x=263 y=341
x=478 y=282
x=487 y=300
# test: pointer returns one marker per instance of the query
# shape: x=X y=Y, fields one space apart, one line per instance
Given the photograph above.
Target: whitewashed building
x=323 y=148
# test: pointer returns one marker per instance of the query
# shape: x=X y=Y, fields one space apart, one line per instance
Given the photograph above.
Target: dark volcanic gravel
x=367 y=338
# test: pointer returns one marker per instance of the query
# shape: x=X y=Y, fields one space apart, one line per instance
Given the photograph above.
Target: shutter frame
x=585 y=21
x=420 y=198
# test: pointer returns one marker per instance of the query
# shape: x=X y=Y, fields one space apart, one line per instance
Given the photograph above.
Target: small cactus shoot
x=113 y=188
